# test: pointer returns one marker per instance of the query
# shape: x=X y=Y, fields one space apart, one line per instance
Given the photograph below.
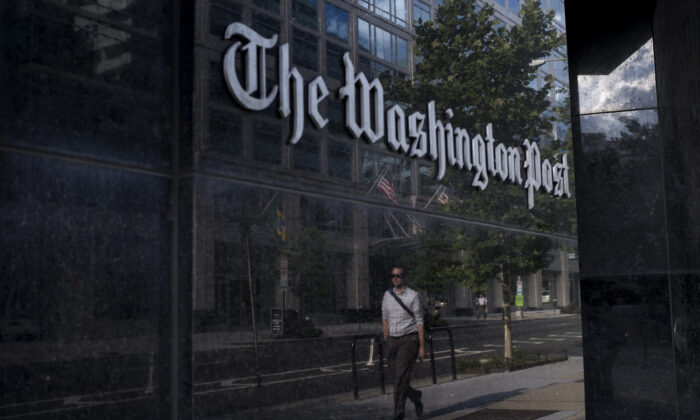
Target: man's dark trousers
x=401 y=356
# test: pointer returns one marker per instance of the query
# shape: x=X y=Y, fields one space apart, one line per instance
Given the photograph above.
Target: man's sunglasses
x=396 y=276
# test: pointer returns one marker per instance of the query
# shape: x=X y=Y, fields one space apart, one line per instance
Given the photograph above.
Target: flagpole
x=437 y=191
x=383 y=172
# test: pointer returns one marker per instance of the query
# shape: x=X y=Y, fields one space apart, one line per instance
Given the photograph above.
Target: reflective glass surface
x=202 y=224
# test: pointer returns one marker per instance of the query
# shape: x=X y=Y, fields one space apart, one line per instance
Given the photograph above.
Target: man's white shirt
x=400 y=321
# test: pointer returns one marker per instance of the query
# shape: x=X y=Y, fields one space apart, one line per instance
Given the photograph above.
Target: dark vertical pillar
x=176 y=349
x=635 y=121
x=677 y=41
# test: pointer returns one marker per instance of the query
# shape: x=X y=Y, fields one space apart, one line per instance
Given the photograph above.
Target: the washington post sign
x=418 y=135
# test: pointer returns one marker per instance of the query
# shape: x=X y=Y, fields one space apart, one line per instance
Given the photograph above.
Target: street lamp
x=539 y=62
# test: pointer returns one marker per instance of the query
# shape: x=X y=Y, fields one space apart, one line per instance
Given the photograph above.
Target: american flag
x=443 y=198
x=385 y=185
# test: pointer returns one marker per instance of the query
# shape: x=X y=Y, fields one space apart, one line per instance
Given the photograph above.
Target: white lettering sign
x=438 y=141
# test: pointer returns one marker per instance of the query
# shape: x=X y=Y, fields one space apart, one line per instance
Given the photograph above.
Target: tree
x=311 y=266
x=471 y=63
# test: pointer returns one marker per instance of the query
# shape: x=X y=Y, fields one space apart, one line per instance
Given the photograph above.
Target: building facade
x=147 y=212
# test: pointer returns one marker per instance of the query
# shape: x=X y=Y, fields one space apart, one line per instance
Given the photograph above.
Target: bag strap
x=403 y=305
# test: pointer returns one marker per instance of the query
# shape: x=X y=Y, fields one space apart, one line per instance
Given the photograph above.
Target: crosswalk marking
x=528 y=342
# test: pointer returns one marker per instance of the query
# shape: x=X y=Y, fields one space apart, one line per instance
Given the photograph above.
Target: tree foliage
x=478 y=67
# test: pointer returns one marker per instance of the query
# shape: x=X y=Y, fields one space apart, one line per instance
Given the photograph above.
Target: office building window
x=501 y=3
x=334 y=60
x=306 y=154
x=265 y=25
x=514 y=6
x=305 y=46
x=221 y=14
x=339 y=159
x=421 y=11
x=336 y=22
x=225 y=134
x=304 y=13
x=560 y=70
x=374 y=69
x=336 y=118
x=426 y=180
x=382 y=44
x=558 y=7
x=398 y=172
x=267 y=143
x=269 y=5
x=391 y=10
x=560 y=92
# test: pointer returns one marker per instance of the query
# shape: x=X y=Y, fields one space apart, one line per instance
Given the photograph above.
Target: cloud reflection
x=631 y=85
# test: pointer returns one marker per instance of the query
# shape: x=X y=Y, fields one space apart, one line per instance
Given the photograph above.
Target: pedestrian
x=482 y=307
x=402 y=324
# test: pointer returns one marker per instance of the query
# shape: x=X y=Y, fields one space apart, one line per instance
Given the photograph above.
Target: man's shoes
x=419 y=405
x=398 y=416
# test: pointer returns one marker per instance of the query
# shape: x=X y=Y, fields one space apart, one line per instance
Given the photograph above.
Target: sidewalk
x=548 y=392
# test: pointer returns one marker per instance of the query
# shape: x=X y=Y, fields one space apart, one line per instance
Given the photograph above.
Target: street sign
x=284 y=277
x=520 y=287
x=277 y=322
x=519 y=301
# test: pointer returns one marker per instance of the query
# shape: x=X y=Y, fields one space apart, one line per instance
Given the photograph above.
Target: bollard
x=432 y=358
x=370 y=362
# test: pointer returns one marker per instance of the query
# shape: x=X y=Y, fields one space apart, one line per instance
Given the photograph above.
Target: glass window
x=402 y=52
x=363 y=34
x=305 y=46
x=334 y=60
x=373 y=69
x=267 y=143
x=514 y=6
x=221 y=15
x=339 y=159
x=336 y=118
x=304 y=13
x=501 y=3
x=533 y=83
x=426 y=180
x=560 y=70
x=392 y=10
x=265 y=25
x=269 y=5
x=560 y=93
x=421 y=11
x=398 y=172
x=336 y=22
x=225 y=134
x=382 y=44
x=558 y=7
x=561 y=129
x=306 y=154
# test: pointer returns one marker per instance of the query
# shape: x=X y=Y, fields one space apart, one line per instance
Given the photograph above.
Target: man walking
x=402 y=324
x=482 y=302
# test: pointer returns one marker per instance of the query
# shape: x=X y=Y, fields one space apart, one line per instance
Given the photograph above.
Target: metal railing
x=432 y=352
x=378 y=341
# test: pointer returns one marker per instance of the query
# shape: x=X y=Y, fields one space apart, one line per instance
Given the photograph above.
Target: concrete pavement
x=548 y=392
